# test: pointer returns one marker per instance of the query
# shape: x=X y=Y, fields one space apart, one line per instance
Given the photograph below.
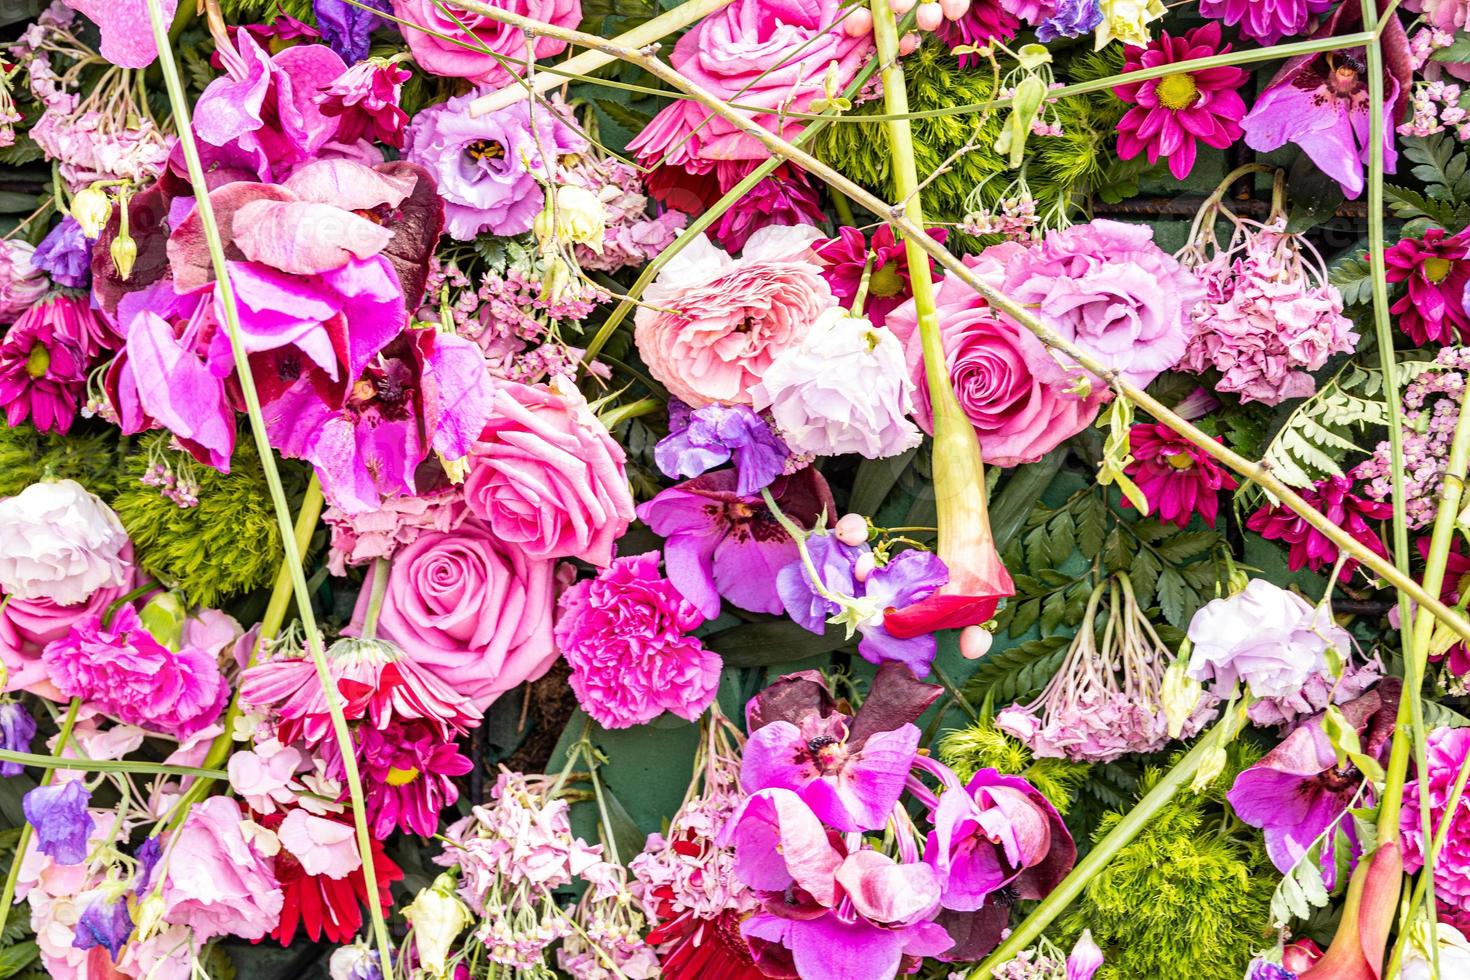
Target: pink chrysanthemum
x=845 y=258
x=1176 y=476
x=43 y=365
x=407 y=776
x=1267 y=21
x=624 y=634
x=1309 y=547
x=1436 y=271
x=1171 y=114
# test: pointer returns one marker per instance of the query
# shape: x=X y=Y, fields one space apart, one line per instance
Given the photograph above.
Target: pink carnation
x=123 y=671
x=359 y=538
x=547 y=476
x=436 y=36
x=1010 y=388
x=216 y=882
x=731 y=316
x=1446 y=752
x=624 y=634
x=471 y=609
x=1107 y=287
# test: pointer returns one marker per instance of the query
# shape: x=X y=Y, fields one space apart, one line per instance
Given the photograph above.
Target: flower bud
x=954 y=9
x=865 y=565
x=975 y=642
x=124 y=253
x=149 y=915
x=91 y=207
x=901 y=7
x=574 y=214
x=929 y=16
x=858 y=23
x=908 y=44
x=1209 y=769
x=1181 y=695
x=437 y=916
x=852 y=529
x=163 y=616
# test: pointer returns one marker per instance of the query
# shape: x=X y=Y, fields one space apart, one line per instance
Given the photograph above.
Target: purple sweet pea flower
x=63 y=825
x=908 y=578
x=1260 y=969
x=17 y=728
x=701 y=439
x=347 y=27
x=147 y=857
x=718 y=542
x=1297 y=790
x=103 y=922
x=1072 y=19
x=66 y=255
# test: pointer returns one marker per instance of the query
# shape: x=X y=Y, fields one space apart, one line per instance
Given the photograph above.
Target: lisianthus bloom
x=1298 y=789
x=908 y=577
x=845 y=258
x=434 y=34
x=701 y=439
x=1320 y=103
x=366 y=97
x=1267 y=636
x=1172 y=113
x=1320 y=689
x=995 y=833
x=59 y=815
x=470 y=609
x=1446 y=751
x=216 y=882
x=377 y=680
x=325 y=907
x=1310 y=548
x=487 y=167
x=61 y=543
x=713 y=323
x=1177 y=477
x=719 y=543
x=546 y=475
x=43 y=364
x=123 y=671
x=1267 y=22
x=1012 y=391
x=625 y=635
x=408 y=770
x=1436 y=271
x=1108 y=287
x=22 y=282
x=65 y=254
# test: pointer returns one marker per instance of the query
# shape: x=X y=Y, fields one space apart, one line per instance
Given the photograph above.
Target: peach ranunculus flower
x=713 y=323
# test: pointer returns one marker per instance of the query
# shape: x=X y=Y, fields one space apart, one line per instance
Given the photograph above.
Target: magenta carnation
x=122 y=671
x=1309 y=547
x=624 y=634
x=1171 y=114
x=1177 y=477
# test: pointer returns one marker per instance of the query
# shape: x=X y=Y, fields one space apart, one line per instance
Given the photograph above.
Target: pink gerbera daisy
x=1176 y=476
x=1171 y=114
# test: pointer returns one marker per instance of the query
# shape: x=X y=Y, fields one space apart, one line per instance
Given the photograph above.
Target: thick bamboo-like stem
x=897 y=216
x=179 y=104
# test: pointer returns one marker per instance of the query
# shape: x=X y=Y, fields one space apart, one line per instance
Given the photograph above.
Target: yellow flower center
x=38 y=361
x=1177 y=91
x=1180 y=461
x=401 y=777
x=1436 y=269
x=885 y=281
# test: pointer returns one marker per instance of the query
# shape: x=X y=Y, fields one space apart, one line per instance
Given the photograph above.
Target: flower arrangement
x=752 y=489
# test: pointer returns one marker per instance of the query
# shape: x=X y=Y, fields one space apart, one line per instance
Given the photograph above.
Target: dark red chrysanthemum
x=1310 y=548
x=1178 y=478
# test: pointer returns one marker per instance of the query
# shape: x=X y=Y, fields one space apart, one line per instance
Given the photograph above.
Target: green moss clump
x=1188 y=897
x=228 y=544
x=983 y=746
x=28 y=456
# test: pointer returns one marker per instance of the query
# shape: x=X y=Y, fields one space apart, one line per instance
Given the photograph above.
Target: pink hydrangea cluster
x=1430 y=412
x=631 y=237
x=626 y=636
x=1446 y=749
x=1268 y=317
x=1436 y=108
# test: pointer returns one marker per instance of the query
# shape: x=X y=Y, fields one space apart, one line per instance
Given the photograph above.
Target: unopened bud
x=91 y=207
x=1181 y=696
x=851 y=529
x=1209 y=769
x=124 y=253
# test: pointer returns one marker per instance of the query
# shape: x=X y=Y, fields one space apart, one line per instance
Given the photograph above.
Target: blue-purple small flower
x=347 y=28
x=17 y=728
x=63 y=825
x=701 y=439
x=103 y=922
x=66 y=255
x=1073 y=18
x=147 y=857
x=1264 y=970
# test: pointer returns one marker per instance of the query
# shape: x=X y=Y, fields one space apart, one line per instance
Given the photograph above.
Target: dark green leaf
x=777 y=642
x=624 y=115
x=1458 y=52
x=1014 y=673
x=1176 y=598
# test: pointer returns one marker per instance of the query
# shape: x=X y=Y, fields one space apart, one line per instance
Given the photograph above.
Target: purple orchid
x=719 y=542
x=17 y=728
x=103 y=922
x=59 y=815
x=701 y=439
x=426 y=391
x=995 y=839
x=1298 y=790
x=907 y=578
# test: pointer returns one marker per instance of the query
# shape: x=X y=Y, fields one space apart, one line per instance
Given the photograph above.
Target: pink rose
x=471 y=609
x=1010 y=388
x=449 y=53
x=546 y=475
x=733 y=315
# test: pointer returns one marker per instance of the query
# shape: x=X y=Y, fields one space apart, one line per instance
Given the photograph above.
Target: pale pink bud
x=852 y=529
x=975 y=642
x=929 y=16
x=864 y=566
x=859 y=23
x=954 y=9
x=908 y=44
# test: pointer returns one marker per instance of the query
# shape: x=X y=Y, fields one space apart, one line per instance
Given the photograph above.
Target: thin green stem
x=375 y=598
x=179 y=103
x=106 y=765
x=7 y=897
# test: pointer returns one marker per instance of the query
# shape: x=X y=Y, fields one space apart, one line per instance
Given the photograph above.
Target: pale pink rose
x=471 y=609
x=324 y=847
x=546 y=475
x=464 y=41
x=1013 y=392
x=732 y=316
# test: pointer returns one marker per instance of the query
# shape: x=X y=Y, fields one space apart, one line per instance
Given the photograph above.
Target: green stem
x=614 y=417
x=375 y=598
x=1102 y=853
x=106 y=765
x=231 y=316
x=7 y=897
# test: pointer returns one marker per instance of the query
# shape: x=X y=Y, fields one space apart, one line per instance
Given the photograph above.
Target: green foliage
x=1445 y=173
x=1353 y=277
x=1188 y=897
x=265 y=11
x=27 y=456
x=983 y=746
x=226 y=545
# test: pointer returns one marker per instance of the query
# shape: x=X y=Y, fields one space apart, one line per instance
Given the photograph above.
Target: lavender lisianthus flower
x=66 y=254
x=701 y=439
x=59 y=815
x=1271 y=639
x=487 y=166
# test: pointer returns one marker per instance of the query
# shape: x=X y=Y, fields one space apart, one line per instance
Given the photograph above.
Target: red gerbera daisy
x=330 y=907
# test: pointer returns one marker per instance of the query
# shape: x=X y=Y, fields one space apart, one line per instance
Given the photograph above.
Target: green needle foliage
x=983 y=746
x=28 y=456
